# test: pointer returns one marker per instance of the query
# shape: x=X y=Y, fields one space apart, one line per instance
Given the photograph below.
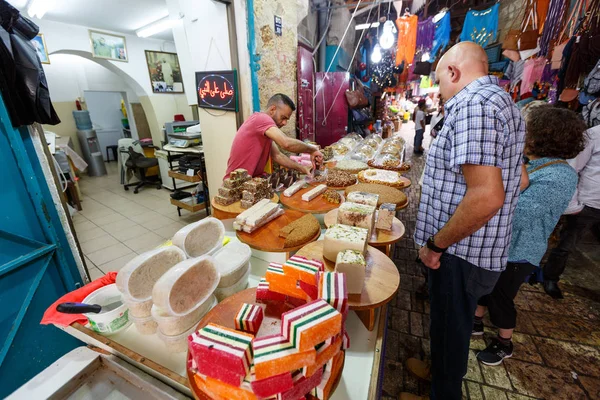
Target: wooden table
x=317 y=205
x=382 y=280
x=380 y=239
x=232 y=210
x=266 y=238
x=224 y=314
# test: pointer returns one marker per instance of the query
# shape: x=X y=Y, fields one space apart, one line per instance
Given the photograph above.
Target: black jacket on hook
x=22 y=80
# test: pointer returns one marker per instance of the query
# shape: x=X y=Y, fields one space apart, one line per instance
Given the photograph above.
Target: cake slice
x=385 y=217
x=355 y=214
x=292 y=190
x=262 y=214
x=300 y=231
x=343 y=237
x=353 y=264
x=369 y=199
x=241 y=218
x=316 y=191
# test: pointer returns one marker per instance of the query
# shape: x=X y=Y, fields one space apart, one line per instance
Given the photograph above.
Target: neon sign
x=217 y=90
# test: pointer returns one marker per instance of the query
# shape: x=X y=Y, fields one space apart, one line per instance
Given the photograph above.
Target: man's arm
x=294 y=145
x=484 y=197
x=283 y=160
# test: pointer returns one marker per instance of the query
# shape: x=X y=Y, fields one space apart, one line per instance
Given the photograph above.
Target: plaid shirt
x=482 y=127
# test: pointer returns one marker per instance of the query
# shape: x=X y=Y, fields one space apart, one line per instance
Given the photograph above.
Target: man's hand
x=317 y=159
x=430 y=258
x=307 y=170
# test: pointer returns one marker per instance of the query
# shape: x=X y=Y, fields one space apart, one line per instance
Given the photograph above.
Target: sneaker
x=477 y=329
x=495 y=353
x=552 y=289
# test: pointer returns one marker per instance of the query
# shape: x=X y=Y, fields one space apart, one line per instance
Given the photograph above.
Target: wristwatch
x=431 y=246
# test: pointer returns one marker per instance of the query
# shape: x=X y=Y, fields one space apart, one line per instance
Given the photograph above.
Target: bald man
x=470 y=190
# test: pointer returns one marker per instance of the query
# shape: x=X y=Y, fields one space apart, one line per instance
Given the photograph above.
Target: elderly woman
x=553 y=135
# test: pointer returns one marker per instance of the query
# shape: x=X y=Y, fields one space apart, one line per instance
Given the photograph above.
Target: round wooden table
x=266 y=238
x=380 y=239
x=318 y=205
x=224 y=314
x=382 y=280
x=232 y=210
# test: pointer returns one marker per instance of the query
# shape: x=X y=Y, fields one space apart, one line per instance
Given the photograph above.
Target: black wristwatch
x=431 y=246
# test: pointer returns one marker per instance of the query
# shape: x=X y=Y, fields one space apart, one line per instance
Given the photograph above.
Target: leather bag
x=528 y=39
x=356 y=98
x=511 y=40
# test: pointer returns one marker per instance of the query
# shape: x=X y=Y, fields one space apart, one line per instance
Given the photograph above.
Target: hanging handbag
x=356 y=98
x=511 y=40
x=529 y=33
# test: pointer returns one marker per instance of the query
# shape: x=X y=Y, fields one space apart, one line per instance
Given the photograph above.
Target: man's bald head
x=461 y=65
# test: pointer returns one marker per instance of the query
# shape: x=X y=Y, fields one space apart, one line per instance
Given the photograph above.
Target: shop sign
x=278 y=26
x=217 y=90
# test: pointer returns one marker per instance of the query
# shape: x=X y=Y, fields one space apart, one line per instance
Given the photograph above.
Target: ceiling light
x=18 y=3
x=37 y=8
x=157 y=27
x=376 y=55
x=387 y=38
x=366 y=26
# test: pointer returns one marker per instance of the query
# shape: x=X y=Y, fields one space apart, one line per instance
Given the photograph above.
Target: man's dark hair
x=281 y=98
x=554 y=132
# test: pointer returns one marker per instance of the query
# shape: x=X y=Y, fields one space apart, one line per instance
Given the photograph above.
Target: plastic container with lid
x=187 y=285
x=204 y=237
x=112 y=321
x=145 y=326
x=176 y=343
x=137 y=278
x=138 y=309
x=173 y=325
x=232 y=261
x=221 y=293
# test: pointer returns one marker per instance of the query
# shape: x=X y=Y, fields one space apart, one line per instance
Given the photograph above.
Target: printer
x=183 y=133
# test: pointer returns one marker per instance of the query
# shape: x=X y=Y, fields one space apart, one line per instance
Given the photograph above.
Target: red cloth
x=251 y=147
x=51 y=316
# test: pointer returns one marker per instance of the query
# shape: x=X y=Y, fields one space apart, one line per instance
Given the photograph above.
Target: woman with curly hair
x=553 y=135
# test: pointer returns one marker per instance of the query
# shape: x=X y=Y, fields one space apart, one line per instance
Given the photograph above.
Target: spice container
x=231 y=262
x=173 y=325
x=138 y=309
x=145 y=326
x=222 y=293
x=187 y=285
x=204 y=237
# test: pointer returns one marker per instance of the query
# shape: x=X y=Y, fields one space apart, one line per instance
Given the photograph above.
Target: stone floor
x=557 y=342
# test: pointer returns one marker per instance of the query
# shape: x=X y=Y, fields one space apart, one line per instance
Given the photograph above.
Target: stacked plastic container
x=233 y=263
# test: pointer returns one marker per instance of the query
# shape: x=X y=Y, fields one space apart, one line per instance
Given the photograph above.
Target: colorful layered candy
x=264 y=293
x=311 y=324
x=218 y=388
x=274 y=355
x=229 y=349
x=268 y=387
x=249 y=318
x=302 y=385
x=281 y=283
x=323 y=390
x=332 y=289
x=302 y=269
x=325 y=352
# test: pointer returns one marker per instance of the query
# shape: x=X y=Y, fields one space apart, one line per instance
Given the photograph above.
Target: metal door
x=36 y=263
x=331 y=107
x=306 y=83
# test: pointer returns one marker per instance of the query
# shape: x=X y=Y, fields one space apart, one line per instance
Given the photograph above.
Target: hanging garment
x=553 y=25
x=515 y=72
x=481 y=27
x=441 y=36
x=425 y=34
x=543 y=7
x=532 y=72
x=407 y=38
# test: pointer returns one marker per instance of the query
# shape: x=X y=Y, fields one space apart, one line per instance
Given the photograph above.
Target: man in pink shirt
x=260 y=137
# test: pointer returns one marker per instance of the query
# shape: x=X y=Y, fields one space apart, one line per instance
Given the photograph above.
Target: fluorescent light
x=18 y=3
x=366 y=26
x=37 y=8
x=376 y=54
x=157 y=27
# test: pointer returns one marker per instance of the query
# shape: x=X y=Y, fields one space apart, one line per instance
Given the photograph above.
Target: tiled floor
x=116 y=225
x=557 y=342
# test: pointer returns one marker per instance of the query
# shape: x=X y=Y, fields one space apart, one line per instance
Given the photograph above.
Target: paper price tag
x=190 y=172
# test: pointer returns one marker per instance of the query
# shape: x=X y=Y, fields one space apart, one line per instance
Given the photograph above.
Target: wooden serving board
x=266 y=238
x=382 y=278
x=224 y=314
x=379 y=237
x=236 y=208
x=318 y=205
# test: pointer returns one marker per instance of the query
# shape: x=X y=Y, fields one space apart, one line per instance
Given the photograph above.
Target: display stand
x=380 y=239
x=382 y=280
x=266 y=238
x=317 y=205
x=224 y=314
x=232 y=210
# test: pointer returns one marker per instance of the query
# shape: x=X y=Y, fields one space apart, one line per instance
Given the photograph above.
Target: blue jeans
x=454 y=290
x=418 y=139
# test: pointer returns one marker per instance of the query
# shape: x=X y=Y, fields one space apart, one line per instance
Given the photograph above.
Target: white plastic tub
x=137 y=278
x=145 y=326
x=177 y=343
x=204 y=237
x=232 y=261
x=223 y=293
x=186 y=286
x=172 y=325
x=112 y=321
x=138 y=309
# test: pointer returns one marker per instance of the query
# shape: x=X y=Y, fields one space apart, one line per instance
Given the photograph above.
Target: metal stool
x=115 y=151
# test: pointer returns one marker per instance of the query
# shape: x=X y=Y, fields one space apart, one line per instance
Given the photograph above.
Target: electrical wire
x=214 y=115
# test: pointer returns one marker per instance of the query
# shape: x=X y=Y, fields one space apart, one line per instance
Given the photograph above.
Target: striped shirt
x=482 y=127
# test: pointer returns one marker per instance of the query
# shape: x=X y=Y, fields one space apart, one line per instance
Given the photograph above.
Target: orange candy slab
x=324 y=354
x=225 y=391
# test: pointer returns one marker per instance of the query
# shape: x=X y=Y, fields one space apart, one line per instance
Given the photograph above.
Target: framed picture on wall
x=108 y=46
x=40 y=47
x=164 y=71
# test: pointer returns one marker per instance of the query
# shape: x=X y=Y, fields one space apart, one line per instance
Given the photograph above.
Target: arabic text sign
x=217 y=89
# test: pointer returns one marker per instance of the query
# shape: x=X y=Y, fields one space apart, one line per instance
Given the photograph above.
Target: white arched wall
x=74 y=40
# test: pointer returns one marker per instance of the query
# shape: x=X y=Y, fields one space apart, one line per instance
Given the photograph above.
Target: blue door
x=36 y=263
